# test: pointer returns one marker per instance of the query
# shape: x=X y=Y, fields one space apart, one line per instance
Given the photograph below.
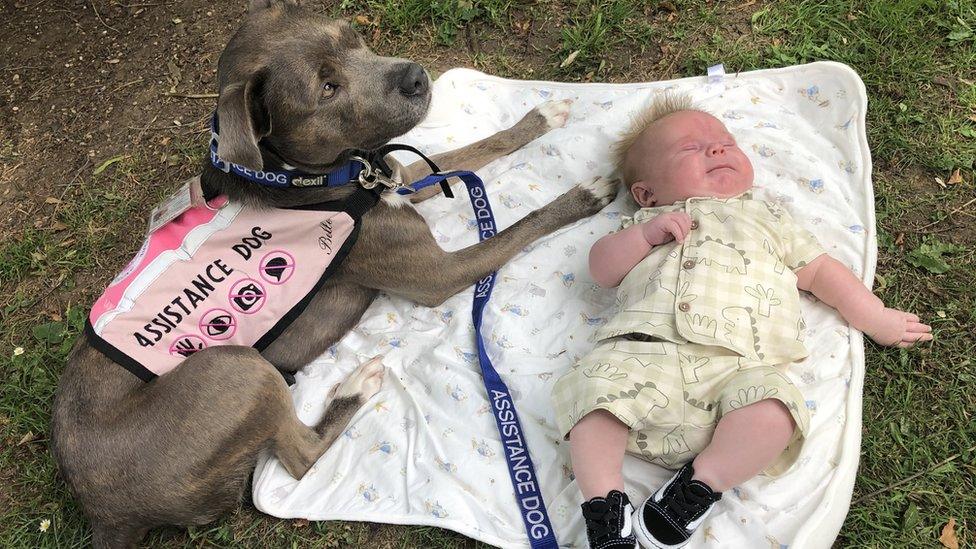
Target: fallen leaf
x=58 y=226
x=52 y=200
x=299 y=523
x=948 y=538
x=900 y=239
x=880 y=282
x=955 y=178
x=101 y=167
x=569 y=59
x=851 y=17
x=942 y=81
x=362 y=20
x=668 y=6
x=26 y=438
x=972 y=117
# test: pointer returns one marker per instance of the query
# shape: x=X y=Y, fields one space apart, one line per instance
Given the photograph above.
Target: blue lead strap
x=524 y=479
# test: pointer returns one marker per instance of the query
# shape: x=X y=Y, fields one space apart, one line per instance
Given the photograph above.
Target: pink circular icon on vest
x=277 y=267
x=247 y=296
x=218 y=324
x=186 y=345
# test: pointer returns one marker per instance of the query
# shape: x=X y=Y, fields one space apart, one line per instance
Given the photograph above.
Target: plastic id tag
x=187 y=196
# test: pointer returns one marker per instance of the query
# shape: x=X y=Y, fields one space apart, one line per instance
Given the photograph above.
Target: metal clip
x=369 y=179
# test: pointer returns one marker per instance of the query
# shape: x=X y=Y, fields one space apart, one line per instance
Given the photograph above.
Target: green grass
x=918 y=61
x=443 y=19
x=596 y=28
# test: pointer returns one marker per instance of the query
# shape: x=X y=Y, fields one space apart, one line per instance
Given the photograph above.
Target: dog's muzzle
x=412 y=80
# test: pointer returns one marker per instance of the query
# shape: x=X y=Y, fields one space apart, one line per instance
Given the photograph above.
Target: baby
x=689 y=374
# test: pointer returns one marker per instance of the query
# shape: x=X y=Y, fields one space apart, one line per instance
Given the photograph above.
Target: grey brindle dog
x=179 y=450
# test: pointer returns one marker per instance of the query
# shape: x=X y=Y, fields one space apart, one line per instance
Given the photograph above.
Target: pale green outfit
x=703 y=327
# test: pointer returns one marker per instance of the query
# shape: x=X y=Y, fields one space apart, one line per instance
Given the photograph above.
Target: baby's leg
x=597 y=444
x=746 y=442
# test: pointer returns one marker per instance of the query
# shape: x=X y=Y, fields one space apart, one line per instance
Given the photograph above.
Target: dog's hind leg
x=116 y=536
x=299 y=446
x=536 y=123
x=180 y=450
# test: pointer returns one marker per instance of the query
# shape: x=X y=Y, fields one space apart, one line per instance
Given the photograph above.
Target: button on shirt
x=731 y=284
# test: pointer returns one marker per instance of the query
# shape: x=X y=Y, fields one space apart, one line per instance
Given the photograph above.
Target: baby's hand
x=897 y=328
x=667 y=226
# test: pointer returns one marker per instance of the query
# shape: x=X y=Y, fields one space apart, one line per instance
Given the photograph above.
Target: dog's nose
x=412 y=80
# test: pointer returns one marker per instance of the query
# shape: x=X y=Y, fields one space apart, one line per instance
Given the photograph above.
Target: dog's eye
x=328 y=90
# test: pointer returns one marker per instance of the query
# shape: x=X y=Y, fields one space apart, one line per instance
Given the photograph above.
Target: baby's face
x=687 y=154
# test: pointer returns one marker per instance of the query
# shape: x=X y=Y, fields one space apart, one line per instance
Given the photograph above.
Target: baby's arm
x=836 y=285
x=614 y=255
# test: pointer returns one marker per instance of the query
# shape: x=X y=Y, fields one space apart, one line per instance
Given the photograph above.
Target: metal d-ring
x=366 y=176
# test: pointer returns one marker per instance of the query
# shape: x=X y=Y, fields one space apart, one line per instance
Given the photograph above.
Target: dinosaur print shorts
x=672 y=396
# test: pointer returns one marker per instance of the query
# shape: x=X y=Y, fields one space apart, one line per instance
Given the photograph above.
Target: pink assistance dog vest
x=230 y=276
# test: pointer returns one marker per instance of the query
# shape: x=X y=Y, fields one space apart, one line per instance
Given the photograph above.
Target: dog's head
x=306 y=87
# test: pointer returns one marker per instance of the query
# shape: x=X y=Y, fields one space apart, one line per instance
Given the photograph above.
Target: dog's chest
x=234 y=276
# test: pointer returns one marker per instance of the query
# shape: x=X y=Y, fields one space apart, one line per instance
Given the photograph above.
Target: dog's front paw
x=601 y=190
x=363 y=382
x=584 y=200
x=555 y=113
x=542 y=119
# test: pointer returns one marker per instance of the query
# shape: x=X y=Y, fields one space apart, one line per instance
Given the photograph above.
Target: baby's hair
x=656 y=109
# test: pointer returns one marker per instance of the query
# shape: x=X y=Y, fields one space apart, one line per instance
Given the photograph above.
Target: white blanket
x=425 y=450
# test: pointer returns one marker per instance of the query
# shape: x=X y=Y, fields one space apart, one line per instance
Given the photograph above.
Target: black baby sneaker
x=608 y=522
x=671 y=515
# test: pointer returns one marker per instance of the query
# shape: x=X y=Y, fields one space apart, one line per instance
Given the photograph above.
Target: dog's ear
x=257 y=5
x=243 y=123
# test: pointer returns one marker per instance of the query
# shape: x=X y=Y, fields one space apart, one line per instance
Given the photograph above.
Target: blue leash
x=520 y=469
